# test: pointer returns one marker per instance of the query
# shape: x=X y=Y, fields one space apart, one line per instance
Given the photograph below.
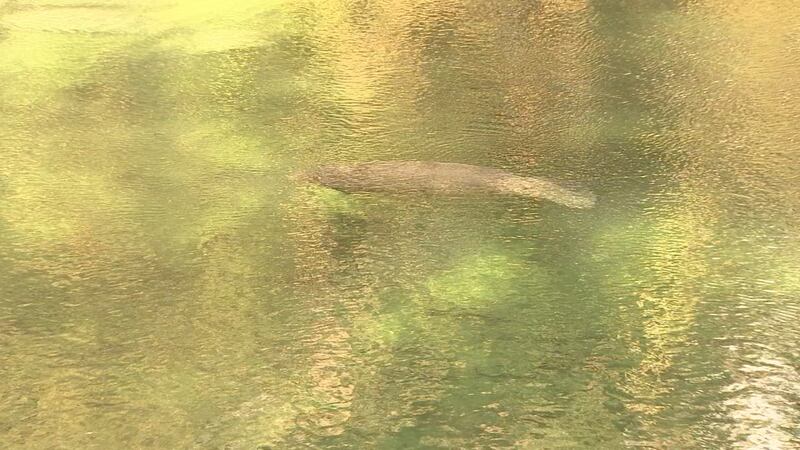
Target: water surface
x=165 y=282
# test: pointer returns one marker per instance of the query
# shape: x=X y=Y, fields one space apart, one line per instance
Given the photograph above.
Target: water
x=165 y=282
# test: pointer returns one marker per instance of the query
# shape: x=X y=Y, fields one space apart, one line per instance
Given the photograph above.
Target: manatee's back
x=406 y=176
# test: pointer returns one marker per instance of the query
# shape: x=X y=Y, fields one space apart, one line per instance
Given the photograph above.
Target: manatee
x=441 y=178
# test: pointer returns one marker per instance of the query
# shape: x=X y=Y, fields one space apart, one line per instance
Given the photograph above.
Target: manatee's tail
x=302 y=176
x=550 y=190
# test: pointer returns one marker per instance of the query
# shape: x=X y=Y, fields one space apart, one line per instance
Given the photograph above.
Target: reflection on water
x=165 y=282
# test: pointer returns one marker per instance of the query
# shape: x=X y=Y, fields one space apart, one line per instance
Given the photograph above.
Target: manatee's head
x=566 y=194
x=578 y=199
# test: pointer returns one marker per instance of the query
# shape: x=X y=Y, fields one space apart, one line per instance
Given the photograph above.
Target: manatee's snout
x=582 y=200
x=571 y=197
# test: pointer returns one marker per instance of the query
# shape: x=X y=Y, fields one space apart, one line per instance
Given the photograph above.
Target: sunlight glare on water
x=168 y=281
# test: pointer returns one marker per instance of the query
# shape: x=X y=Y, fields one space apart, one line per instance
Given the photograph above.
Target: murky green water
x=164 y=283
